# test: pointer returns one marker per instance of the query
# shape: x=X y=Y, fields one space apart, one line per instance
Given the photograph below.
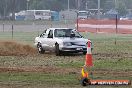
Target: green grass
x=107 y=55
x=48 y=80
x=73 y=62
x=43 y=79
x=114 y=64
x=110 y=64
x=22 y=37
x=38 y=78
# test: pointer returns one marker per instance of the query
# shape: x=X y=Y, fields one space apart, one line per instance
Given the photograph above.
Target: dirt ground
x=16 y=49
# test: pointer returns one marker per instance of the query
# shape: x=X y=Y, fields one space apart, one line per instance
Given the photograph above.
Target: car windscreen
x=66 y=33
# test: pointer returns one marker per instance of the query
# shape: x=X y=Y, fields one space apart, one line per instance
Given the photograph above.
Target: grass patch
x=110 y=64
x=113 y=64
x=22 y=37
x=48 y=80
x=71 y=64
x=41 y=78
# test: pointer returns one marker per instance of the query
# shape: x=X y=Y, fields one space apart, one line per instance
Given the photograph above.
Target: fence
x=105 y=26
x=26 y=31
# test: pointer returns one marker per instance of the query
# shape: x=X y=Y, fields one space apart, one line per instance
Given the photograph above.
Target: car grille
x=84 y=49
x=74 y=43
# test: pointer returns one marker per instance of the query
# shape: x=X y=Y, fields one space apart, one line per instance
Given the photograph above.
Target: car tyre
x=84 y=53
x=57 y=51
x=40 y=49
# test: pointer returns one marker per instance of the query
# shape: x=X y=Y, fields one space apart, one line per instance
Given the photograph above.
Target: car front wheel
x=57 y=51
x=84 y=53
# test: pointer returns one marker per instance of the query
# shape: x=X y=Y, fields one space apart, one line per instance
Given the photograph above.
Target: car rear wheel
x=57 y=51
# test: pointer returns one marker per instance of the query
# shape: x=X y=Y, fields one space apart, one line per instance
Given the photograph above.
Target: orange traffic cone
x=88 y=61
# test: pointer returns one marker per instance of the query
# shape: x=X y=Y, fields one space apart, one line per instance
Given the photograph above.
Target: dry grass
x=8 y=48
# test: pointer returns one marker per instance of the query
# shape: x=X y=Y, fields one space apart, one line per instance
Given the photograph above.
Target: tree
x=121 y=7
x=7 y=6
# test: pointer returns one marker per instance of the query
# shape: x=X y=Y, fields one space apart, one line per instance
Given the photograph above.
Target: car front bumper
x=74 y=49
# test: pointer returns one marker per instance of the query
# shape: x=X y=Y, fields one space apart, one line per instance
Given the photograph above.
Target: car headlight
x=67 y=44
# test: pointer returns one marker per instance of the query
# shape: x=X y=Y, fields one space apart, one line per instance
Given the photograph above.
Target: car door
x=50 y=40
x=43 y=40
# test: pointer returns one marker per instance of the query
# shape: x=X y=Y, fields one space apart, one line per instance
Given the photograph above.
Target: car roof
x=59 y=28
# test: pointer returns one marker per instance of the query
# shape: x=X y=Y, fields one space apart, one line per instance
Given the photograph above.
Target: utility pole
x=78 y=4
x=98 y=9
x=115 y=4
x=68 y=5
x=5 y=8
x=13 y=9
x=28 y=4
x=86 y=5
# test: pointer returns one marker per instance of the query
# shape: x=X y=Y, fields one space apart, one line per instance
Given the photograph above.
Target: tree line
x=12 y=6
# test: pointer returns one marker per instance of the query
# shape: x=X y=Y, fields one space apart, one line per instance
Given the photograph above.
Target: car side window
x=50 y=35
x=42 y=35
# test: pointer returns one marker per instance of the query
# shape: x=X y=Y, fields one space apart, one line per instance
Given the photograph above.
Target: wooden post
x=116 y=24
x=116 y=30
x=12 y=30
x=3 y=27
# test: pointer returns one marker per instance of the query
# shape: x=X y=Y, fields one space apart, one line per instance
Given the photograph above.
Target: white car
x=61 y=40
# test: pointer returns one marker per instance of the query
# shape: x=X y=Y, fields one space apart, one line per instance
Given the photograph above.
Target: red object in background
x=105 y=26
